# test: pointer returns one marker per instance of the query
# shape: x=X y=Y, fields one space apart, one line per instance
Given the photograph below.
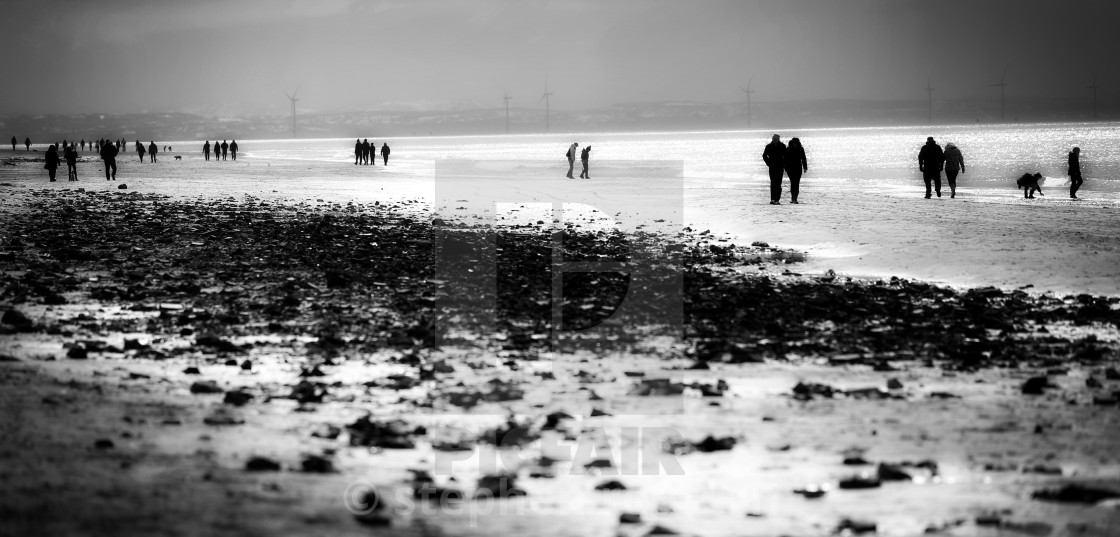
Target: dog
x=1029 y=184
x=178 y=157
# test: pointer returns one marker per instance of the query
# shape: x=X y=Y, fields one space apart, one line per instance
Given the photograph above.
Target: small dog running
x=178 y=157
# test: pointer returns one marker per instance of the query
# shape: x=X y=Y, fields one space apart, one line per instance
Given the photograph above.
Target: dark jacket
x=52 y=158
x=153 y=148
x=384 y=150
x=795 y=162
x=931 y=158
x=108 y=152
x=71 y=156
x=1074 y=164
x=774 y=154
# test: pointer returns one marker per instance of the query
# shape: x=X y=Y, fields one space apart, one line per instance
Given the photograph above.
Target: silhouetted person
x=225 y=150
x=71 y=156
x=109 y=155
x=153 y=149
x=571 y=155
x=584 y=156
x=27 y=143
x=233 y=149
x=954 y=162
x=366 y=151
x=373 y=153
x=795 y=165
x=775 y=158
x=384 y=154
x=1075 y=179
x=930 y=160
x=14 y=142
x=357 y=152
x=206 y=150
x=83 y=144
x=1029 y=184
x=140 y=151
x=52 y=161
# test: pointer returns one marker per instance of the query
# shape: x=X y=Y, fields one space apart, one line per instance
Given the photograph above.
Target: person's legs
x=951 y=176
x=106 y=170
x=571 y=167
x=50 y=172
x=929 y=180
x=113 y=163
x=776 y=185
x=1075 y=182
x=794 y=186
x=937 y=183
x=385 y=160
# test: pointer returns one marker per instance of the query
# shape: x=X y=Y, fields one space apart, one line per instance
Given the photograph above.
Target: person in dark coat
x=930 y=161
x=373 y=153
x=14 y=141
x=71 y=157
x=357 y=152
x=366 y=151
x=775 y=158
x=1075 y=179
x=109 y=155
x=795 y=165
x=1029 y=184
x=206 y=150
x=52 y=161
x=152 y=150
x=27 y=143
x=384 y=154
x=584 y=156
x=233 y=149
x=954 y=163
x=225 y=150
x=140 y=150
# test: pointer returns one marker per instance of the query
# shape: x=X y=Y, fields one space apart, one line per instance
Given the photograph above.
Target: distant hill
x=405 y=119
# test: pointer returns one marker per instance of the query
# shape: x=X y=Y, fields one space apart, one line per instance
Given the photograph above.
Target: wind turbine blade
x=542 y=98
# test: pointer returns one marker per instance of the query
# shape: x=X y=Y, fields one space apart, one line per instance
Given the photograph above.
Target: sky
x=240 y=57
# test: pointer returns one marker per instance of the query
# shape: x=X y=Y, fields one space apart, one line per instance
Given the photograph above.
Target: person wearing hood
x=384 y=154
x=152 y=150
x=233 y=149
x=109 y=155
x=1075 y=179
x=52 y=161
x=795 y=165
x=571 y=155
x=930 y=161
x=71 y=157
x=584 y=156
x=954 y=163
x=775 y=158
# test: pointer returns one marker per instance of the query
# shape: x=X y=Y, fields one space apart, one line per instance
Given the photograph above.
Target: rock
x=599 y=463
x=261 y=464
x=711 y=443
x=370 y=510
x=206 y=386
x=891 y=472
x=855 y=527
x=308 y=392
x=395 y=434
x=329 y=432
x=192 y=371
x=1036 y=385
x=595 y=413
x=317 y=464
x=894 y=384
x=760 y=244
x=122 y=186
x=859 y=482
x=498 y=486
x=658 y=529
x=630 y=518
x=610 y=485
x=133 y=344
x=237 y=398
x=811 y=492
x=104 y=443
x=16 y=318
x=222 y=416
x=1112 y=374
x=247 y=365
x=657 y=387
x=8 y=358
x=77 y=352
x=806 y=390
x=1076 y=493
x=1093 y=383
x=855 y=460
x=552 y=420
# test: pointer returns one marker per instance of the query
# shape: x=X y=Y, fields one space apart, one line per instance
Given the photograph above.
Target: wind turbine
x=1002 y=84
x=748 y=91
x=1094 y=88
x=546 y=100
x=929 y=93
x=293 y=98
x=507 y=99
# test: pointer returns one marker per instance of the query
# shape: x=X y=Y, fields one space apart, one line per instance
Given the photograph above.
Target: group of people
x=788 y=160
x=932 y=160
x=221 y=151
x=69 y=154
x=584 y=156
x=366 y=153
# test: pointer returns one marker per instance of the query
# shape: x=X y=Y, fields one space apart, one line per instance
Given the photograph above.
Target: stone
x=205 y=387
x=610 y=485
x=122 y=186
x=1076 y=493
x=1036 y=386
x=104 y=443
x=317 y=464
x=15 y=317
x=855 y=527
x=859 y=482
x=630 y=518
x=261 y=464
x=237 y=398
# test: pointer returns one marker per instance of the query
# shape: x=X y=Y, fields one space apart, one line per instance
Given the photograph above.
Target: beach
x=876 y=361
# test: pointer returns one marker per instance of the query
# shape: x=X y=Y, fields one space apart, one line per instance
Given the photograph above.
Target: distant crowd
x=366 y=152
x=108 y=150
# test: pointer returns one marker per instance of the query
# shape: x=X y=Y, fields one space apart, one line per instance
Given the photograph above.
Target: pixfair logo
x=558 y=264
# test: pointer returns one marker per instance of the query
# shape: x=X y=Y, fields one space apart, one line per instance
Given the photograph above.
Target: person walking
x=206 y=150
x=52 y=161
x=27 y=143
x=71 y=156
x=14 y=142
x=233 y=149
x=930 y=160
x=366 y=152
x=775 y=158
x=795 y=165
x=373 y=153
x=954 y=162
x=152 y=150
x=571 y=155
x=225 y=150
x=583 y=158
x=1075 y=179
x=357 y=151
x=109 y=155
x=140 y=150
x=384 y=154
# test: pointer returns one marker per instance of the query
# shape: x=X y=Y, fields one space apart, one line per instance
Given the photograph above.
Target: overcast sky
x=234 y=56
